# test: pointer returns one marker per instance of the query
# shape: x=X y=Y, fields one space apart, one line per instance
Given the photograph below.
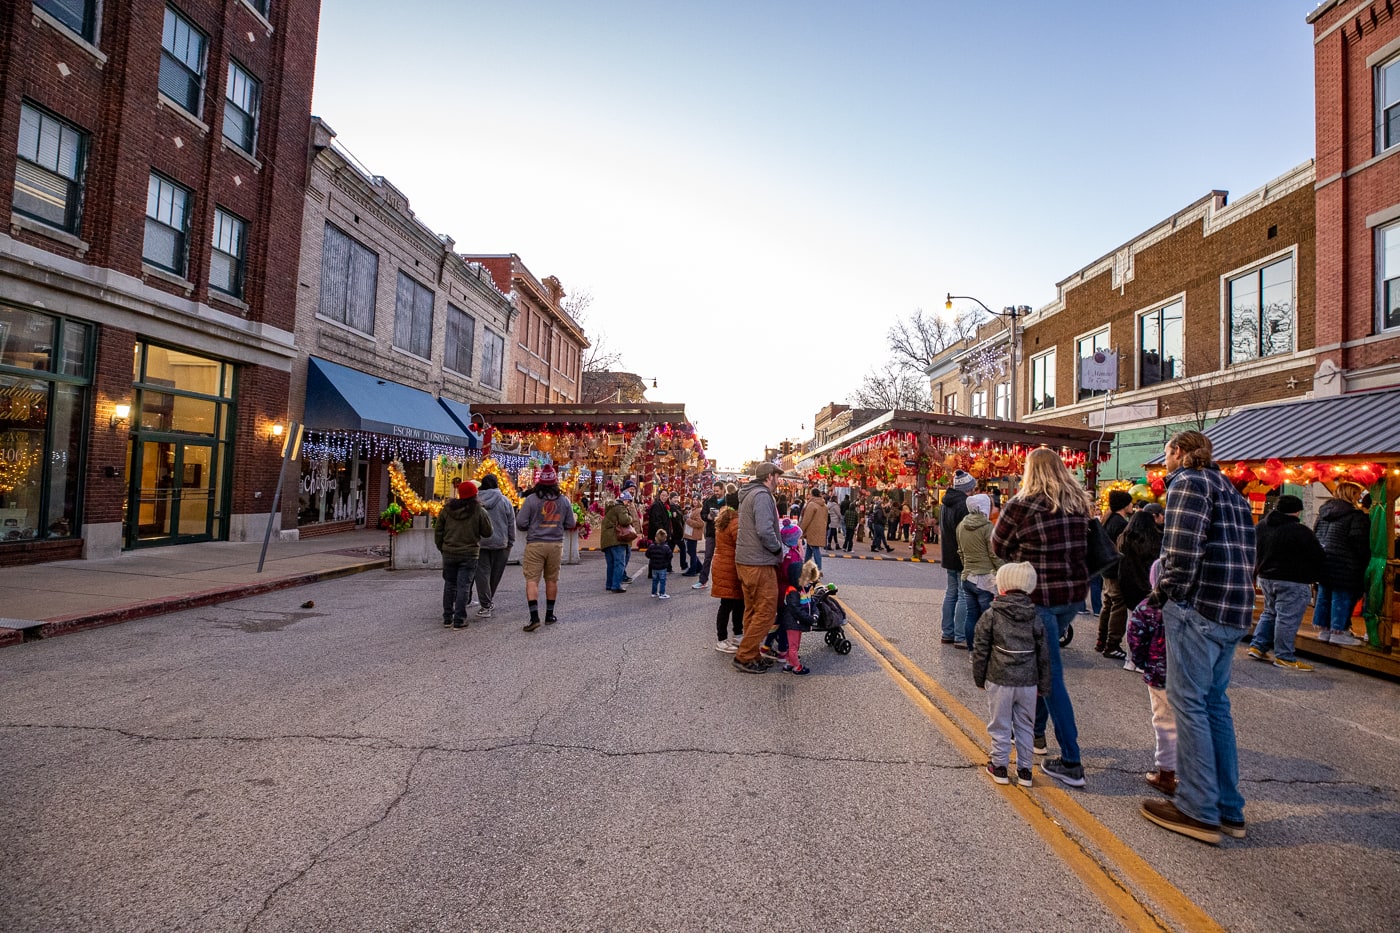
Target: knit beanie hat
x=547 y=476
x=1118 y=500
x=466 y=490
x=489 y=481
x=980 y=503
x=964 y=481
x=1016 y=577
x=1289 y=505
x=789 y=533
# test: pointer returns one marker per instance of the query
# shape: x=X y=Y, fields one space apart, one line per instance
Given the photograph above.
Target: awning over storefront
x=339 y=398
x=1360 y=426
x=461 y=413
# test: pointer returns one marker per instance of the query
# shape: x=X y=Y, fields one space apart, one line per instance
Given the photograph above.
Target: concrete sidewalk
x=42 y=600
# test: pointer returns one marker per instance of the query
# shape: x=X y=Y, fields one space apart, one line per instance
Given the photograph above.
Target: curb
x=65 y=625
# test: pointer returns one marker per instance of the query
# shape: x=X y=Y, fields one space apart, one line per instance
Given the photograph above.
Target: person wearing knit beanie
x=1011 y=661
x=1118 y=500
x=964 y=482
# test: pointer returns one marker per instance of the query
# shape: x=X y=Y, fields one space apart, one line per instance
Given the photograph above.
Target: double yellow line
x=1127 y=885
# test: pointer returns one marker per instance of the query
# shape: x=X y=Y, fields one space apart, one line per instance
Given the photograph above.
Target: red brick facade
x=1358 y=194
x=107 y=86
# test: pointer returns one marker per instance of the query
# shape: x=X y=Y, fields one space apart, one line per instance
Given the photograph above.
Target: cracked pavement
x=256 y=767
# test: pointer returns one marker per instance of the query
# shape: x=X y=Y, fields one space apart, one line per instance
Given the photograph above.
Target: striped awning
x=1358 y=426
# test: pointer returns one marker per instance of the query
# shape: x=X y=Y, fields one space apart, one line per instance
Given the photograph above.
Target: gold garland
x=398 y=485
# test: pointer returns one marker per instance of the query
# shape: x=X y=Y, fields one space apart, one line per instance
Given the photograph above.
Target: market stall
x=1306 y=448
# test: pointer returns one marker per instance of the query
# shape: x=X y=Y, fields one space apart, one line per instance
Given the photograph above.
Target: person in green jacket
x=458 y=532
x=974 y=534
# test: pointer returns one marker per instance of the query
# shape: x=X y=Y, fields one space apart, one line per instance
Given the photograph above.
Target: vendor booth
x=1306 y=448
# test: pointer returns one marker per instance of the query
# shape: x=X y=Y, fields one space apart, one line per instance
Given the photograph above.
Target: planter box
x=414 y=550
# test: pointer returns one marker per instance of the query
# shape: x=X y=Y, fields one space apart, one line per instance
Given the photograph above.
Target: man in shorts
x=545 y=514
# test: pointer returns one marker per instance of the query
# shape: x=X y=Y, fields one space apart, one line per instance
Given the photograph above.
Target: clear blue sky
x=753 y=192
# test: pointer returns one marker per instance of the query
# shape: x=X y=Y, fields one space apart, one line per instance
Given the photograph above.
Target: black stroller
x=830 y=618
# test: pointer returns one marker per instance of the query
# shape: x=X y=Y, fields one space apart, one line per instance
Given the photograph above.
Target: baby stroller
x=829 y=617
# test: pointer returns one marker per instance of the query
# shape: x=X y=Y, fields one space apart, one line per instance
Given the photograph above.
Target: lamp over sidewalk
x=1012 y=312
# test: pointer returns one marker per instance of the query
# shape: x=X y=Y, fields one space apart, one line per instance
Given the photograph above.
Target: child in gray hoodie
x=1010 y=661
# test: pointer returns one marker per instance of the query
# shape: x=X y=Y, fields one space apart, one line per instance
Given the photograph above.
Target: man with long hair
x=1206 y=594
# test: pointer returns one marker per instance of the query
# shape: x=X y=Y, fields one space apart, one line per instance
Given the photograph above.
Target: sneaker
x=534 y=624
x=1023 y=777
x=770 y=653
x=1294 y=665
x=750 y=667
x=799 y=669
x=1258 y=654
x=1038 y=745
x=485 y=612
x=1232 y=829
x=550 y=619
x=1165 y=814
x=698 y=586
x=447 y=622
x=1346 y=639
x=460 y=623
x=664 y=596
x=1128 y=665
x=1071 y=775
x=1323 y=634
x=653 y=595
x=998 y=773
x=735 y=640
x=725 y=646
x=1115 y=654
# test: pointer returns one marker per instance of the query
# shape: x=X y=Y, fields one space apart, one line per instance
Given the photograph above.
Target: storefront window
x=332 y=485
x=41 y=423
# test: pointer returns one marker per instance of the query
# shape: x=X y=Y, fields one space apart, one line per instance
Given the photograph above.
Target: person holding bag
x=617 y=535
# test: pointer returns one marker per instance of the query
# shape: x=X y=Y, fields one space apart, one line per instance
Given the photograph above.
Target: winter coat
x=724 y=576
x=876 y=518
x=954 y=511
x=1147 y=643
x=852 y=515
x=974 y=536
x=906 y=516
x=659 y=556
x=696 y=524
x=797 y=612
x=1053 y=541
x=1286 y=549
x=1140 y=544
x=658 y=519
x=1345 y=534
x=502 y=515
x=813 y=522
x=709 y=509
x=677 y=530
x=459 y=529
x=1008 y=645
x=758 y=544
x=834 y=518
x=1113 y=526
x=615 y=517
x=545 y=519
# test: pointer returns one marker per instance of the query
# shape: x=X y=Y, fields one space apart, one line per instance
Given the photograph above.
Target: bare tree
x=1202 y=400
x=915 y=341
x=599 y=357
x=893 y=386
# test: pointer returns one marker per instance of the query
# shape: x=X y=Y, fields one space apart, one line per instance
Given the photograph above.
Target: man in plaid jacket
x=1206 y=593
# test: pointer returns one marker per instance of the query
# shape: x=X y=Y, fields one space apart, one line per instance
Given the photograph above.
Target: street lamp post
x=1012 y=312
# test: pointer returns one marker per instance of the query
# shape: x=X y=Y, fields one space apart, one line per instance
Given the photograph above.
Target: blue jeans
x=1096 y=594
x=1284 y=605
x=1199 y=655
x=1057 y=707
x=457 y=579
x=814 y=554
x=616 y=556
x=978 y=601
x=658 y=578
x=954 y=604
x=877 y=538
x=689 y=557
x=1333 y=609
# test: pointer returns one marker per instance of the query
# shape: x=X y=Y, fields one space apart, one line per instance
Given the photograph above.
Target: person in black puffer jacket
x=1345 y=533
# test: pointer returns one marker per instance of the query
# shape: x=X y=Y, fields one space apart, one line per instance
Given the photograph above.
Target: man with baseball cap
x=758 y=552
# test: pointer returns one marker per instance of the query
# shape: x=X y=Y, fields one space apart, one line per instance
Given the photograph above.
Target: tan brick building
x=1206 y=312
x=152 y=158
x=392 y=326
x=1357 y=54
x=548 y=344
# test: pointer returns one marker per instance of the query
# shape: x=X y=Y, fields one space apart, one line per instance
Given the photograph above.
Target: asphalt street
x=353 y=765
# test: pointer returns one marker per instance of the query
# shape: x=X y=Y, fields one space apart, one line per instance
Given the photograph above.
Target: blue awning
x=461 y=413
x=339 y=398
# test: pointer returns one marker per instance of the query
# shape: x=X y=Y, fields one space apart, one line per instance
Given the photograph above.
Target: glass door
x=176 y=486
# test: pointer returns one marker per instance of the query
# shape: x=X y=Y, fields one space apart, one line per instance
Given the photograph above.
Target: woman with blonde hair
x=1345 y=533
x=1046 y=525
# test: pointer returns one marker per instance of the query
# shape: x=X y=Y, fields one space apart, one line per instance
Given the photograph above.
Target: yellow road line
x=1112 y=877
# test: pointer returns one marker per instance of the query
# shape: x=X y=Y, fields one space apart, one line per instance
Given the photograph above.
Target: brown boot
x=1164 y=781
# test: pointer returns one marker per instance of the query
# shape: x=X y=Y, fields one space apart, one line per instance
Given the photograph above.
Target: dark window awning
x=339 y=398
x=461 y=413
x=1359 y=426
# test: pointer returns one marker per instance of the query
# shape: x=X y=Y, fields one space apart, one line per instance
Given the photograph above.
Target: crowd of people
x=1174 y=604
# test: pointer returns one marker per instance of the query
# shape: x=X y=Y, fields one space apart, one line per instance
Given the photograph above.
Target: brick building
x=397 y=337
x=548 y=344
x=148 y=154
x=1207 y=312
x=972 y=376
x=1357 y=98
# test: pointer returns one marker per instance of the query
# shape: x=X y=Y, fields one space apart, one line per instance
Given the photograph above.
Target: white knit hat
x=1019 y=576
x=980 y=503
